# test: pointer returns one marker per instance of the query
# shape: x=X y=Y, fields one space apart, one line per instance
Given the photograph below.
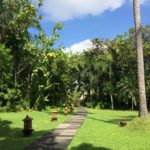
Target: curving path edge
x=60 y=137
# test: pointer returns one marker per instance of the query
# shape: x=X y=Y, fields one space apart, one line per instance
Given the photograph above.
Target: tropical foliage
x=34 y=74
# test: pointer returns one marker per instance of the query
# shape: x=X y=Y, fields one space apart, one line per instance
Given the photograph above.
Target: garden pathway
x=61 y=136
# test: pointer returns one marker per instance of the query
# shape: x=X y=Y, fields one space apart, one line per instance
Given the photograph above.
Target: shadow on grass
x=86 y=146
x=13 y=139
x=115 y=121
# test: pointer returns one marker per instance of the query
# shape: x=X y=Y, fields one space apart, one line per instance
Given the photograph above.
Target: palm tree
x=140 y=62
x=127 y=92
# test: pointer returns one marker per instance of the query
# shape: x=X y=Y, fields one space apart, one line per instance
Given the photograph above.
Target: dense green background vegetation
x=34 y=74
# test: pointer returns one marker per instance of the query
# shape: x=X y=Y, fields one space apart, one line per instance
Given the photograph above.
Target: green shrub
x=100 y=105
x=75 y=97
x=88 y=104
x=4 y=109
x=48 y=109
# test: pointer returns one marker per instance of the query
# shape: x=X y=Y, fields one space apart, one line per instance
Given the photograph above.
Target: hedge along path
x=60 y=137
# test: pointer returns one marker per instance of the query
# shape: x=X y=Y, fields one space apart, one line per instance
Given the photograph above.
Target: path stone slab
x=60 y=137
x=65 y=125
x=69 y=132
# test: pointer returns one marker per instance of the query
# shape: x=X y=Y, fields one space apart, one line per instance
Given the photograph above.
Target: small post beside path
x=60 y=137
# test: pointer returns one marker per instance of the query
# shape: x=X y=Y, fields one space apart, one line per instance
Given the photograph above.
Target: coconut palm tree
x=140 y=62
x=127 y=92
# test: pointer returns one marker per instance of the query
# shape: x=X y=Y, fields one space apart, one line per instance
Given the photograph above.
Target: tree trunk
x=132 y=105
x=15 y=67
x=91 y=98
x=112 y=101
x=140 y=62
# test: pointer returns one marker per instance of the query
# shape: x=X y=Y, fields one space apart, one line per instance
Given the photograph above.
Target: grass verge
x=11 y=125
x=101 y=131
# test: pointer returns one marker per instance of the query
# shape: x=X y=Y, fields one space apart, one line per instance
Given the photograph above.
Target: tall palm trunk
x=111 y=96
x=15 y=67
x=140 y=62
x=112 y=101
x=132 y=104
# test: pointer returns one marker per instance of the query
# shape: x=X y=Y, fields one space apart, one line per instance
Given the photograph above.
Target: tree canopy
x=35 y=75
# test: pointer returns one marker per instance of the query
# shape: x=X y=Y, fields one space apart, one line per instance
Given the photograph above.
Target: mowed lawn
x=11 y=125
x=101 y=131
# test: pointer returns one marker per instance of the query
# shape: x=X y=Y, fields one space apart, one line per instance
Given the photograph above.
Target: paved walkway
x=61 y=136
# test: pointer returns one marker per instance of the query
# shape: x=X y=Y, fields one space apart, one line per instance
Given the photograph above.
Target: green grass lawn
x=101 y=131
x=11 y=125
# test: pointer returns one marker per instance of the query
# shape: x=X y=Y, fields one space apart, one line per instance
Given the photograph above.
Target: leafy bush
x=74 y=97
x=4 y=109
x=10 y=99
x=100 y=105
